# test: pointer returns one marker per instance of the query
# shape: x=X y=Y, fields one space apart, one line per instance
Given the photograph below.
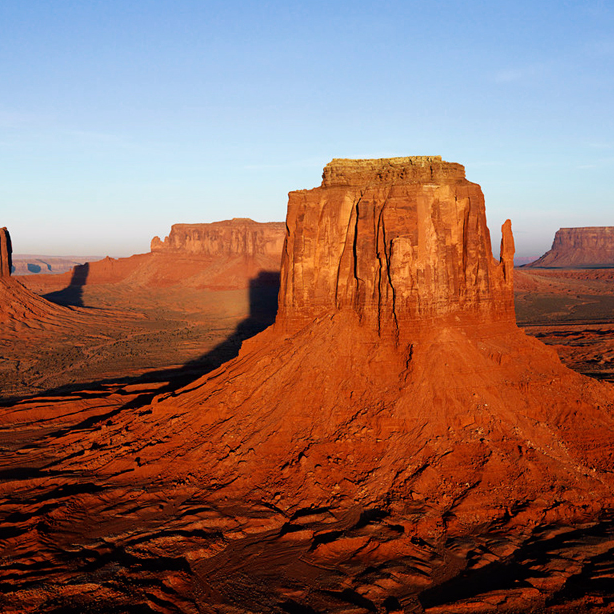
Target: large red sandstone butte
x=392 y=443
x=579 y=247
x=397 y=243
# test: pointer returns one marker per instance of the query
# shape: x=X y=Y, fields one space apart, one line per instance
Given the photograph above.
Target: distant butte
x=590 y=247
x=239 y=236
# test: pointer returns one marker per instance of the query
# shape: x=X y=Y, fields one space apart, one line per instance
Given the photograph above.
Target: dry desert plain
x=392 y=443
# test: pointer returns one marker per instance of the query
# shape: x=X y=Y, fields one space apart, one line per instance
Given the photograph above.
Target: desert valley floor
x=136 y=333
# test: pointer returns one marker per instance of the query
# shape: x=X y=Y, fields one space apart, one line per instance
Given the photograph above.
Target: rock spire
x=6 y=250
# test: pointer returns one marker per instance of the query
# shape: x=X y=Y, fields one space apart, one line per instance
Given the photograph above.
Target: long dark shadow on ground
x=263 y=293
x=72 y=295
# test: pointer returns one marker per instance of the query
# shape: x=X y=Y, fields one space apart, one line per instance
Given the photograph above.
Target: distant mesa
x=27 y=264
x=221 y=255
x=238 y=237
x=590 y=247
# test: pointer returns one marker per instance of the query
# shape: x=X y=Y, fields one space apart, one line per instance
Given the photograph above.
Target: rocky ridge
x=580 y=247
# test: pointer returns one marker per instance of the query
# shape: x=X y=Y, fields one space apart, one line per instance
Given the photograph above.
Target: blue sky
x=119 y=118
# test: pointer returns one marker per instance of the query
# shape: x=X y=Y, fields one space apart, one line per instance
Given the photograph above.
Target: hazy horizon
x=119 y=119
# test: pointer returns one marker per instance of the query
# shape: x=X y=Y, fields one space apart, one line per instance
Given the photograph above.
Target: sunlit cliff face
x=398 y=241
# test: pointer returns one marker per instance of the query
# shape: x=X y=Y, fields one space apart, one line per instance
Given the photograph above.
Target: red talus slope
x=22 y=311
x=18 y=306
x=580 y=247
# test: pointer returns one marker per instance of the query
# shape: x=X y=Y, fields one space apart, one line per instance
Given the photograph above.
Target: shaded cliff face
x=580 y=247
x=233 y=237
x=397 y=241
x=6 y=251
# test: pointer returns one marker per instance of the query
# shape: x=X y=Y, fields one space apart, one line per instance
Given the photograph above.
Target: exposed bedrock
x=580 y=247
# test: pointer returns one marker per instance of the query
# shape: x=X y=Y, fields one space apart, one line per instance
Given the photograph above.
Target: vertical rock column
x=6 y=251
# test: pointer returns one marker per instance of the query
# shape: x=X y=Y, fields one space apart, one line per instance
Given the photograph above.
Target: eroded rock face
x=398 y=241
x=6 y=251
x=239 y=236
x=580 y=247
